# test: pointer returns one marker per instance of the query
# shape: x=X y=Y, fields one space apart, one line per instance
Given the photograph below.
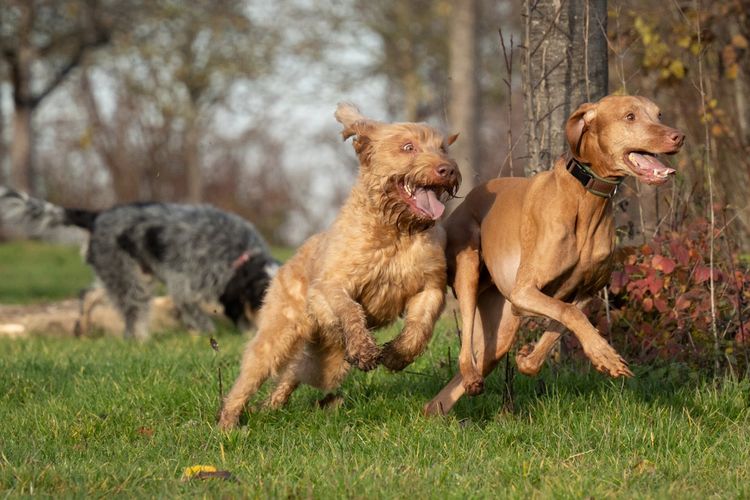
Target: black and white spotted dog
x=200 y=253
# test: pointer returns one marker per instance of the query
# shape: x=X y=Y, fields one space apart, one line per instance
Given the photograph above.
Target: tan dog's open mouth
x=427 y=202
x=647 y=167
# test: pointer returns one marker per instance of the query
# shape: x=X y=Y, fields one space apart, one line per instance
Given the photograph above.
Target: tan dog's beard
x=394 y=210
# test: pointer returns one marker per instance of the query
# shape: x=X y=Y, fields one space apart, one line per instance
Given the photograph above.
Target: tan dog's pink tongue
x=428 y=203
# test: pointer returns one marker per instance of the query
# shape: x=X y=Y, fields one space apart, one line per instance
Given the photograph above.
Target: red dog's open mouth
x=424 y=201
x=647 y=167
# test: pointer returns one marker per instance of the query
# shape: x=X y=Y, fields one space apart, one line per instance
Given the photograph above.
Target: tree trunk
x=20 y=149
x=464 y=91
x=21 y=56
x=3 y=179
x=734 y=181
x=193 y=173
x=19 y=62
x=565 y=65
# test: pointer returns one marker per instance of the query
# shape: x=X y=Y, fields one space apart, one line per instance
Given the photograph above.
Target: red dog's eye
x=408 y=147
x=630 y=117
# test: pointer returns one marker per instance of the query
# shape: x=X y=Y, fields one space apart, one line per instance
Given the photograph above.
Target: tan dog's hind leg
x=268 y=353
x=421 y=313
x=493 y=336
x=602 y=355
x=283 y=390
x=531 y=357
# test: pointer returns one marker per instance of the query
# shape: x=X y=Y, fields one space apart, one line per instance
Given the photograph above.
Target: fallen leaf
x=206 y=472
x=145 y=431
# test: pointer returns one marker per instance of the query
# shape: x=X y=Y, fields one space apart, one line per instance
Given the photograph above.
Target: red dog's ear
x=577 y=125
x=353 y=121
x=451 y=139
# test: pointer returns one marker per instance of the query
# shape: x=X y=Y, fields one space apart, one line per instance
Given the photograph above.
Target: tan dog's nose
x=446 y=171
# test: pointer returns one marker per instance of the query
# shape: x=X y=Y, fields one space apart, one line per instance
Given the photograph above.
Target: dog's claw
x=392 y=359
x=226 y=422
x=606 y=360
x=366 y=359
x=474 y=387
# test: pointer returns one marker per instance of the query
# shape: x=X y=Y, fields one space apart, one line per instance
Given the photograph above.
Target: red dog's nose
x=677 y=137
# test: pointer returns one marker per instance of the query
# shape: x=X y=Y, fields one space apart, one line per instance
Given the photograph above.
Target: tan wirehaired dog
x=542 y=246
x=382 y=258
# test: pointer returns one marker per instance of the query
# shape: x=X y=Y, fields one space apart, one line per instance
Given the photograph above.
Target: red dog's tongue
x=428 y=203
x=648 y=162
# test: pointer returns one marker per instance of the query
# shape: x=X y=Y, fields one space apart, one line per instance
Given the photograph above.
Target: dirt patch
x=92 y=315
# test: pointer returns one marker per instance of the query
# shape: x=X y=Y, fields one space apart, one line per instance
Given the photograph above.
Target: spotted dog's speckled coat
x=199 y=252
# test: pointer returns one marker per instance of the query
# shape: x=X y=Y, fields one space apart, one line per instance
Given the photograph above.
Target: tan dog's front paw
x=366 y=358
x=227 y=421
x=606 y=360
x=392 y=359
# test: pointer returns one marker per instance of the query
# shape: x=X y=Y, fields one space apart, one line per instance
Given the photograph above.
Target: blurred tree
x=661 y=52
x=565 y=65
x=464 y=90
x=439 y=60
x=41 y=42
x=413 y=53
x=177 y=67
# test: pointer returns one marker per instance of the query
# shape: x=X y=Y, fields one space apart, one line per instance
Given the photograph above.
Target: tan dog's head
x=405 y=167
x=622 y=135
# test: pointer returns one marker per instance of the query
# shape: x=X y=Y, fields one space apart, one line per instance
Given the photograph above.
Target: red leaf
x=682 y=302
x=702 y=273
x=648 y=304
x=679 y=252
x=661 y=305
x=617 y=282
x=145 y=431
x=654 y=283
x=664 y=264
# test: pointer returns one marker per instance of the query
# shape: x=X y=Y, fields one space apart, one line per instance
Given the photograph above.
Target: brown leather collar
x=599 y=186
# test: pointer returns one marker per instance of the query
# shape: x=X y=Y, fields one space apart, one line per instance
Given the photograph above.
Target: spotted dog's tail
x=34 y=217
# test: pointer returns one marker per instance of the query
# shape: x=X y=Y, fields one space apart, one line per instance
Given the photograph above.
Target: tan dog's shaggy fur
x=381 y=258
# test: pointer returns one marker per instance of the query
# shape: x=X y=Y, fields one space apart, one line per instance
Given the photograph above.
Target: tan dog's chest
x=391 y=277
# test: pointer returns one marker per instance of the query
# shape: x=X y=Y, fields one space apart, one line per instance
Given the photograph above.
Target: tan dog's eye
x=630 y=117
x=659 y=115
x=408 y=147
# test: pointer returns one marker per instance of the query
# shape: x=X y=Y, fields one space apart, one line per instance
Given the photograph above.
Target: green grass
x=33 y=271
x=102 y=417
x=36 y=272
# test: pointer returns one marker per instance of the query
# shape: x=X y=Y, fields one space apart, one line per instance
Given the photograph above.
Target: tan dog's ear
x=451 y=139
x=353 y=121
x=577 y=125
